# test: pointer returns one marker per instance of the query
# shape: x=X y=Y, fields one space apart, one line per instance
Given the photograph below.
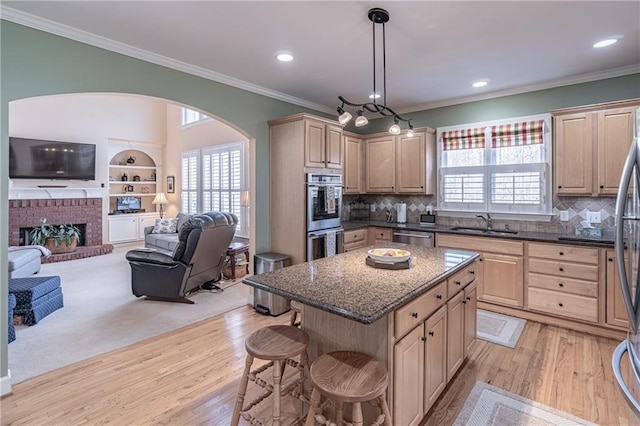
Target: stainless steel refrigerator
x=627 y=245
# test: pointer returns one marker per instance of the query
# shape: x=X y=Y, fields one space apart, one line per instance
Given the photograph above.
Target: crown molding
x=584 y=78
x=85 y=37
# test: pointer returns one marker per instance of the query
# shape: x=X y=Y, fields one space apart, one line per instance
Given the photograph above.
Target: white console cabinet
x=129 y=227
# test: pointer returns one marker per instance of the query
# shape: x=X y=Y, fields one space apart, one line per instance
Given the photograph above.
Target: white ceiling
x=435 y=49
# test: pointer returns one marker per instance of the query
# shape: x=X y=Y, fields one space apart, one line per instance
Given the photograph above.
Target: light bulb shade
x=395 y=129
x=344 y=117
x=160 y=198
x=361 y=120
x=410 y=133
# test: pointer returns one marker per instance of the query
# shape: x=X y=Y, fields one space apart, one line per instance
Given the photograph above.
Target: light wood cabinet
x=354 y=239
x=435 y=358
x=323 y=145
x=408 y=375
x=455 y=334
x=379 y=235
x=590 y=146
x=353 y=165
x=563 y=280
x=380 y=164
x=470 y=315
x=616 y=310
x=501 y=268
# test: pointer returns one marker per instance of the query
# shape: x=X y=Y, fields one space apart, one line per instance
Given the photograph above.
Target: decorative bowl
x=389 y=255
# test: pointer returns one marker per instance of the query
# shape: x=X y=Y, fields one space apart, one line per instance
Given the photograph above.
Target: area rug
x=101 y=314
x=501 y=329
x=488 y=405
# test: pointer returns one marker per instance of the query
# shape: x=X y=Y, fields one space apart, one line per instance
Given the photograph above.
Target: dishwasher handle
x=401 y=234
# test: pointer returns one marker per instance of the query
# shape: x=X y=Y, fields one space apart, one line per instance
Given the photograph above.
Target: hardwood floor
x=190 y=376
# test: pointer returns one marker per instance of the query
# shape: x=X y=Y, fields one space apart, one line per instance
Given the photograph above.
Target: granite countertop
x=546 y=237
x=345 y=285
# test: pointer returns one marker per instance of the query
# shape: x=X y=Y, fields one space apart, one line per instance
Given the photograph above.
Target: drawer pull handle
x=457 y=282
x=561 y=269
x=468 y=297
x=464 y=302
x=561 y=253
x=611 y=259
x=414 y=314
x=424 y=339
x=439 y=296
x=561 y=285
x=560 y=304
x=431 y=333
x=480 y=260
x=472 y=272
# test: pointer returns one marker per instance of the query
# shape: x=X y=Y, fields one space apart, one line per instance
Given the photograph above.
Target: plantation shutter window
x=189 y=182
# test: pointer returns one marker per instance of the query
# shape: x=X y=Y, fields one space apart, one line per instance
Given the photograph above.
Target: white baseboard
x=5 y=384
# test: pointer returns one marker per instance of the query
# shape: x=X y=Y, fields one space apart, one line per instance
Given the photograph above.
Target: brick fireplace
x=78 y=211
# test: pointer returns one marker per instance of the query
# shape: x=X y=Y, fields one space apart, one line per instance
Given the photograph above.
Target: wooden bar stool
x=349 y=377
x=277 y=344
x=296 y=314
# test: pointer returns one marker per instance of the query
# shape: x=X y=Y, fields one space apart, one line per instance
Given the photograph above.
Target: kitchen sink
x=483 y=231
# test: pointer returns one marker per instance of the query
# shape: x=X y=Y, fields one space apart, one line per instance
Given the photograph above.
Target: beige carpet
x=488 y=405
x=101 y=314
x=500 y=329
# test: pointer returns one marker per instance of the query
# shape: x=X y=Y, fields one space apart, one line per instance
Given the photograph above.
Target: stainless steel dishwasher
x=418 y=238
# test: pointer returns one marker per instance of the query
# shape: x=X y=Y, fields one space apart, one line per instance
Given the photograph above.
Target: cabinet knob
x=560 y=304
x=561 y=253
x=457 y=282
x=559 y=186
x=414 y=314
x=601 y=186
x=561 y=269
x=468 y=297
x=611 y=259
x=472 y=272
x=424 y=339
x=480 y=259
x=464 y=302
x=431 y=333
x=561 y=285
x=439 y=296
x=421 y=187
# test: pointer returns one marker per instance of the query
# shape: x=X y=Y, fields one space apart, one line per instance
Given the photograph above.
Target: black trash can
x=266 y=302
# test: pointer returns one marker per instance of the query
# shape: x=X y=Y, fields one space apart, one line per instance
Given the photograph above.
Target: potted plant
x=57 y=238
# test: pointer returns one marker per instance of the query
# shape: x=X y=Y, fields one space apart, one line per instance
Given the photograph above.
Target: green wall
x=34 y=63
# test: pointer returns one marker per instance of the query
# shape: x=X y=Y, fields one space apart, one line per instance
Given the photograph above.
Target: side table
x=236 y=249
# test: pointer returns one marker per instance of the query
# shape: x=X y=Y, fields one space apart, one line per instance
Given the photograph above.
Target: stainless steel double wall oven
x=324 y=215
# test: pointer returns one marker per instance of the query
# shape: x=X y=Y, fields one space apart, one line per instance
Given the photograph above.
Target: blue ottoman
x=36 y=297
x=12 y=329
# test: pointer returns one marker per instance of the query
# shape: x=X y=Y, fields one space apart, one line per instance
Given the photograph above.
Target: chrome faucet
x=487 y=220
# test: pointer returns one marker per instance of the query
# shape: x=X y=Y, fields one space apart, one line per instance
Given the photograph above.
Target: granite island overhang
x=345 y=285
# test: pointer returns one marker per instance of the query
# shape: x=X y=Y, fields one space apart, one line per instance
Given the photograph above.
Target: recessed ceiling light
x=284 y=57
x=480 y=83
x=374 y=96
x=605 y=43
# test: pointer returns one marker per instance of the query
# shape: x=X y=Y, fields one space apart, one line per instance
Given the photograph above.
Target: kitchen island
x=418 y=321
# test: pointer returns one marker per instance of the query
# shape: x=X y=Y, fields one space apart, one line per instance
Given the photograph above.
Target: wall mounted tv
x=40 y=159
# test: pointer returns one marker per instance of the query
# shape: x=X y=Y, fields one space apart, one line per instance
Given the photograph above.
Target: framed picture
x=171 y=184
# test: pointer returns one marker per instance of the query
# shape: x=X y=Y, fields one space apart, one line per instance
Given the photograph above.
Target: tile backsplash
x=359 y=207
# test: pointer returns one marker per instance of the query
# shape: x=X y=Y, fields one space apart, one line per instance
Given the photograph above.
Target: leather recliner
x=197 y=259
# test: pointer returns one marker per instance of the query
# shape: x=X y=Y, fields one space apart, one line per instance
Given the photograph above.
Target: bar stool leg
x=339 y=413
x=244 y=381
x=385 y=409
x=313 y=406
x=277 y=378
x=356 y=414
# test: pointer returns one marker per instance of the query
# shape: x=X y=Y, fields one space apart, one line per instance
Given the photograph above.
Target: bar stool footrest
x=252 y=420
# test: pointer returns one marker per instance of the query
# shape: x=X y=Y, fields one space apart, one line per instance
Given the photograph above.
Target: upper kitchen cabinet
x=323 y=144
x=415 y=165
x=401 y=164
x=353 y=164
x=590 y=146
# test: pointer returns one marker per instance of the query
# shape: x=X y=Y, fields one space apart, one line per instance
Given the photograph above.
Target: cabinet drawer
x=353 y=245
x=419 y=309
x=354 y=235
x=381 y=234
x=562 y=284
x=460 y=279
x=564 y=269
x=564 y=253
x=563 y=304
x=481 y=244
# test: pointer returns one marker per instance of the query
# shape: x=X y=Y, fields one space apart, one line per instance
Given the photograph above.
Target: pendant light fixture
x=378 y=17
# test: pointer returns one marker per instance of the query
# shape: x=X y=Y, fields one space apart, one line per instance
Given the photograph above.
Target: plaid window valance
x=463 y=139
x=517 y=134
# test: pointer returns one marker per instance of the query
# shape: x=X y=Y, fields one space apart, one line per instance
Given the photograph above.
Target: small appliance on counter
x=428 y=219
x=401 y=212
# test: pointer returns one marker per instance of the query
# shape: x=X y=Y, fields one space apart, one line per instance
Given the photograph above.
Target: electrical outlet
x=372 y=208
x=594 y=217
x=564 y=215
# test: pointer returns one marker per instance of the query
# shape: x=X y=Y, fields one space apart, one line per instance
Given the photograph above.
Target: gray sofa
x=24 y=261
x=165 y=243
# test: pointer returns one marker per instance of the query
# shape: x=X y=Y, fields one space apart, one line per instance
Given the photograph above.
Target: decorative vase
x=63 y=247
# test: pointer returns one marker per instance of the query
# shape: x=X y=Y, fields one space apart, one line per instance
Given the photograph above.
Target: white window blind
x=496 y=167
x=190 y=116
x=189 y=183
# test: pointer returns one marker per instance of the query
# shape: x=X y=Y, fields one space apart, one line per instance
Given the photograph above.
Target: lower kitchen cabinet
x=408 y=375
x=503 y=280
x=354 y=239
x=435 y=357
x=455 y=334
x=616 y=310
x=379 y=235
x=129 y=227
x=470 y=316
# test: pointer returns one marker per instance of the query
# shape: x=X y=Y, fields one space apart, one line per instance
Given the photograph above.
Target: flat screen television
x=41 y=159
x=124 y=204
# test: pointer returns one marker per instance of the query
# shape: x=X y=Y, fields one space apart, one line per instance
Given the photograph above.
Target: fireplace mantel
x=54 y=193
